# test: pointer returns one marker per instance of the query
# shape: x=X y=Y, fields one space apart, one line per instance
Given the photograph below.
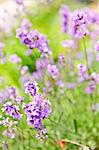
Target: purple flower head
x=64 y=12
x=83 y=71
x=19 y=1
x=69 y=44
x=26 y=24
x=42 y=134
x=4 y=95
x=12 y=110
x=22 y=34
x=38 y=75
x=31 y=88
x=97 y=46
x=1 y=46
x=3 y=60
x=39 y=64
x=97 y=57
x=15 y=58
x=61 y=59
x=12 y=92
x=34 y=39
x=60 y=83
x=9 y=132
x=90 y=88
x=52 y=69
x=19 y=99
x=48 y=87
x=25 y=78
x=95 y=77
x=24 y=69
x=42 y=63
x=36 y=111
x=38 y=41
x=93 y=16
x=79 y=23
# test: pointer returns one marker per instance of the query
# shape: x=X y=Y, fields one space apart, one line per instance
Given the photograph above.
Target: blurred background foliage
x=44 y=15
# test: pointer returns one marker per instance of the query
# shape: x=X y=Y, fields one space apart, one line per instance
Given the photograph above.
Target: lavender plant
x=55 y=105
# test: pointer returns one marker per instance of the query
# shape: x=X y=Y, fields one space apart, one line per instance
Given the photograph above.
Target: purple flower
x=4 y=95
x=79 y=23
x=19 y=99
x=83 y=71
x=24 y=69
x=26 y=24
x=95 y=77
x=38 y=75
x=12 y=92
x=39 y=64
x=52 y=69
x=69 y=44
x=9 y=132
x=31 y=88
x=90 y=88
x=97 y=57
x=15 y=58
x=12 y=110
x=34 y=39
x=25 y=78
x=22 y=34
x=93 y=16
x=2 y=45
x=19 y=1
x=48 y=87
x=60 y=83
x=64 y=11
x=61 y=59
x=9 y=125
x=36 y=111
x=42 y=134
x=97 y=46
x=42 y=63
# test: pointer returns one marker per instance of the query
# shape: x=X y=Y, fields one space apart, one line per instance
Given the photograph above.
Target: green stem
x=75 y=143
x=86 y=56
x=29 y=140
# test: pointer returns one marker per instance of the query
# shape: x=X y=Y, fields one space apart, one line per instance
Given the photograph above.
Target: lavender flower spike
x=12 y=110
x=31 y=88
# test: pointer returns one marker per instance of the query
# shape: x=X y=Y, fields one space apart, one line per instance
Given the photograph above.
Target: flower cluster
x=64 y=11
x=84 y=76
x=34 y=39
x=61 y=60
x=79 y=23
x=8 y=124
x=52 y=69
x=12 y=110
x=36 y=111
x=19 y=1
x=83 y=72
x=15 y=58
x=31 y=88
